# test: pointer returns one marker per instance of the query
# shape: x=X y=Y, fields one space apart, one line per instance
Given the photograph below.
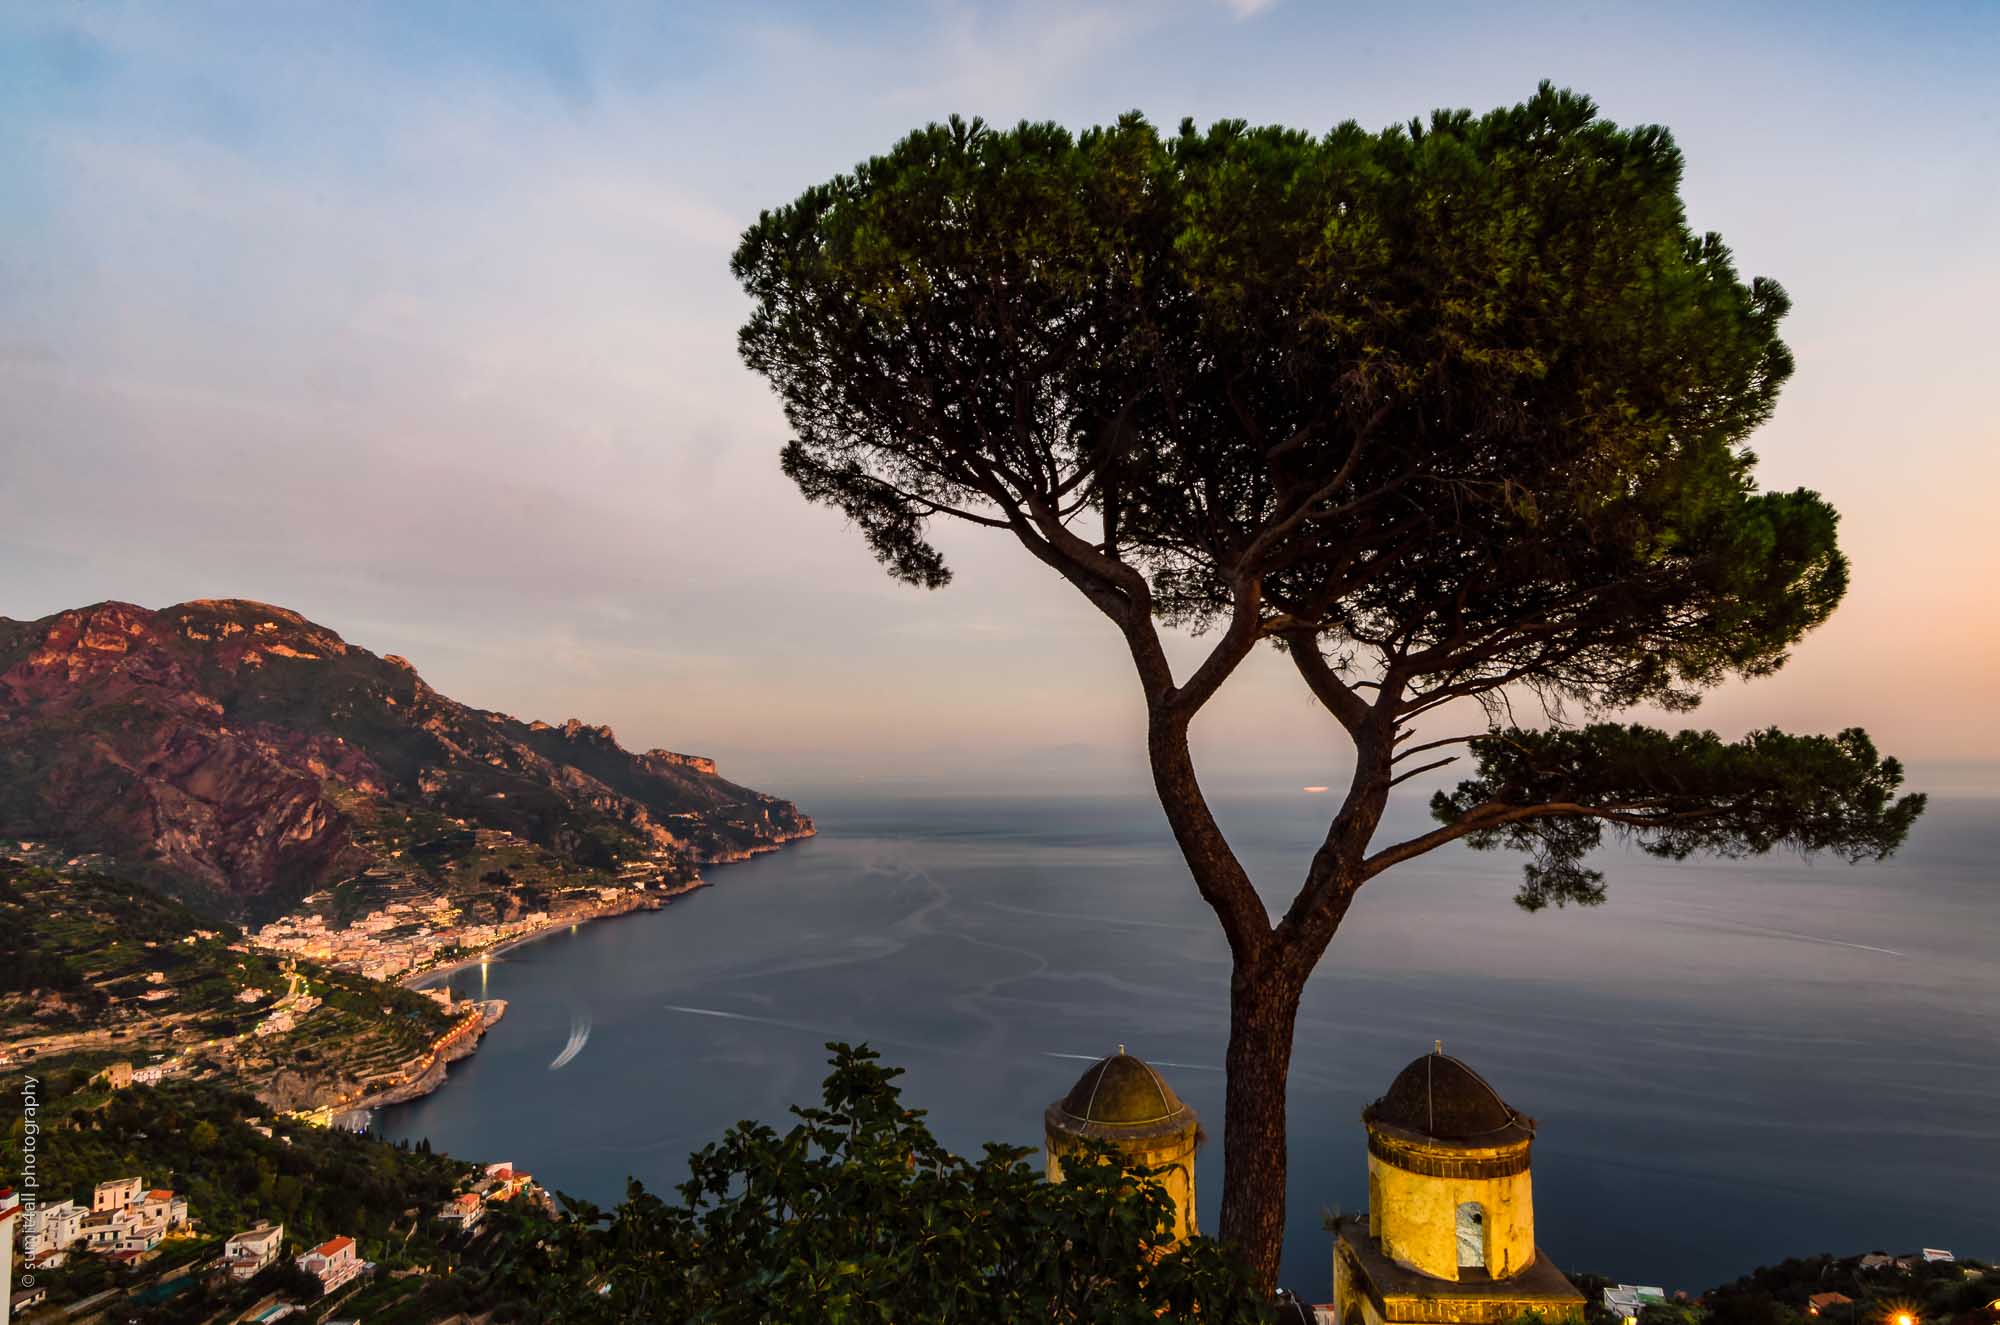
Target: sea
x=1731 y=1062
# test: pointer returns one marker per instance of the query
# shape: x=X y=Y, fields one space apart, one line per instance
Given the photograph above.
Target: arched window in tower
x=1471 y=1236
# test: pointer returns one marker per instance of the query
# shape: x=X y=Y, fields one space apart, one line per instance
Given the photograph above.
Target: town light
x=1904 y=1318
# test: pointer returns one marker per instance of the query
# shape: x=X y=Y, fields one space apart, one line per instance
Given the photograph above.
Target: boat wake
x=730 y=1016
x=579 y=1036
x=1728 y=921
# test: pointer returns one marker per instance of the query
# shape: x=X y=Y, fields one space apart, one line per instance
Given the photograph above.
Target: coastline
x=492 y=1009
x=650 y=901
x=430 y=976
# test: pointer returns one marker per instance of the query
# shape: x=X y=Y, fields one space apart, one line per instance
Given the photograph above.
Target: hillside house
x=128 y=1217
x=116 y=1194
x=52 y=1228
x=251 y=1250
x=139 y=1237
x=1626 y=1301
x=502 y=1182
x=161 y=1207
x=102 y=1229
x=463 y=1211
x=334 y=1262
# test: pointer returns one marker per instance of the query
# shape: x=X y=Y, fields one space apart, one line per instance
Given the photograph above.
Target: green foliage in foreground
x=858 y=1214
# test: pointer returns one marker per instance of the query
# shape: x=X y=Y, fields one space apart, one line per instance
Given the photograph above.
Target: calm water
x=1731 y=1063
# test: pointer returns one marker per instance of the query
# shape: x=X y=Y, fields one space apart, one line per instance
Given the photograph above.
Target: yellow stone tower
x=1451 y=1213
x=1124 y=1103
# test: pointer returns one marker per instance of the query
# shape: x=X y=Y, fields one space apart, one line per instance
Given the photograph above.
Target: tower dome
x=1121 y=1091
x=1439 y=1097
x=1121 y=1101
x=1451 y=1213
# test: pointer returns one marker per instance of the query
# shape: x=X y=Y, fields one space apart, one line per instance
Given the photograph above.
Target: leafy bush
x=858 y=1214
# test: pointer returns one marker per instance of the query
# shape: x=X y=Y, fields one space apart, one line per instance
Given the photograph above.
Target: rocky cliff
x=238 y=753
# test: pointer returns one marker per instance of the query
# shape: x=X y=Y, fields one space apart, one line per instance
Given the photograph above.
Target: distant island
x=168 y=776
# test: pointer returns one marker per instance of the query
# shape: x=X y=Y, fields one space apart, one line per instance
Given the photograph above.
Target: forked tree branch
x=1246 y=627
x=1340 y=699
x=1110 y=585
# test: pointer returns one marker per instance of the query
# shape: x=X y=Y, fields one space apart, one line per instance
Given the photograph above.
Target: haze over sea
x=1731 y=1062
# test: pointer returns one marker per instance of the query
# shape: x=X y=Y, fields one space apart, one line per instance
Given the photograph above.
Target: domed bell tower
x=1451 y=1212
x=1122 y=1102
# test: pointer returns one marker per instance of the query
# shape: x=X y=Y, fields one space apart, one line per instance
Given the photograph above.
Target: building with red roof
x=334 y=1262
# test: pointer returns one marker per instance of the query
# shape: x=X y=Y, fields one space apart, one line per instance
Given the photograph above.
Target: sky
x=417 y=319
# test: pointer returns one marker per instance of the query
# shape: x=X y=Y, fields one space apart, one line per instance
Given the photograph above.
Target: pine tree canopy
x=1457 y=407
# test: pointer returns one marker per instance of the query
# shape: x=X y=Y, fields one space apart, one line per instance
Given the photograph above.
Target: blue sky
x=417 y=318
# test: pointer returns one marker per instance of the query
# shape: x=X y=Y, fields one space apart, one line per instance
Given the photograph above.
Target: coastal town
x=389 y=925
x=129 y=1224
x=285 y=1006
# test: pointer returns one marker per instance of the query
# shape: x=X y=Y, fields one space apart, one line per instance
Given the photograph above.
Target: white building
x=162 y=1208
x=127 y=1217
x=51 y=1228
x=139 y=1238
x=253 y=1249
x=1626 y=1301
x=103 y=1228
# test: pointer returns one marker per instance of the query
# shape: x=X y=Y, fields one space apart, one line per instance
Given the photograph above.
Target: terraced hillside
x=94 y=970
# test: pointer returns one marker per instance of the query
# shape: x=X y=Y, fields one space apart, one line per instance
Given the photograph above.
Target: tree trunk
x=1263 y=1007
x=1268 y=970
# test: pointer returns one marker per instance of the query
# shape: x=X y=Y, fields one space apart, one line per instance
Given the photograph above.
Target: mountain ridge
x=241 y=755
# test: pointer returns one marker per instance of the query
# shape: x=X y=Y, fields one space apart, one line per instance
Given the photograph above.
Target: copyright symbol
x=27 y=1281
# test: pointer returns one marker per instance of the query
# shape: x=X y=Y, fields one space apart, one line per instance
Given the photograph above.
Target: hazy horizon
x=419 y=322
